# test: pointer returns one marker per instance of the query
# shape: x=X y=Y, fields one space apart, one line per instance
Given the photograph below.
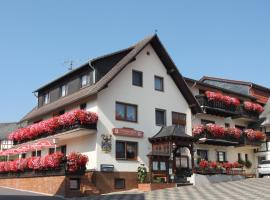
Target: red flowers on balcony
x=76 y=161
x=51 y=126
x=253 y=107
x=253 y=135
x=52 y=161
x=218 y=97
x=218 y=131
x=215 y=130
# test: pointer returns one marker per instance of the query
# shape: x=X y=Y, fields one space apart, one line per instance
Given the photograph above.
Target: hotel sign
x=127 y=132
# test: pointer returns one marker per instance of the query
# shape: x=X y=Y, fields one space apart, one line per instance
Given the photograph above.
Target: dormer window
x=63 y=90
x=84 y=80
x=46 y=98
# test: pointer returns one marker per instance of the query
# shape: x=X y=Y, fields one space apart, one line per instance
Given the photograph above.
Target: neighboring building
x=264 y=152
x=228 y=116
x=5 y=130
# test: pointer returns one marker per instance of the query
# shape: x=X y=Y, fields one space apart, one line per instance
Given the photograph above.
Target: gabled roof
x=7 y=128
x=250 y=84
x=115 y=70
x=214 y=87
x=172 y=131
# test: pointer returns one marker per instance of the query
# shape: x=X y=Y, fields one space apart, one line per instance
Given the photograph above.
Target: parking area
x=238 y=190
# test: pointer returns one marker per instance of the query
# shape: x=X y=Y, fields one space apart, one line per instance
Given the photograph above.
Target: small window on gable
x=63 y=91
x=137 y=78
x=83 y=106
x=84 y=80
x=46 y=98
x=159 y=83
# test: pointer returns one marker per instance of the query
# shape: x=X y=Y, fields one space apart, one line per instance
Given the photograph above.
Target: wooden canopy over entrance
x=166 y=160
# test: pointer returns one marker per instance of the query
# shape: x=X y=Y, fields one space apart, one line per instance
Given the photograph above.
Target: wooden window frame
x=141 y=74
x=181 y=122
x=126 y=142
x=162 y=79
x=125 y=118
x=204 y=150
x=165 y=117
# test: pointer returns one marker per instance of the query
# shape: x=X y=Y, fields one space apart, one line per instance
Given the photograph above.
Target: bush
x=142 y=173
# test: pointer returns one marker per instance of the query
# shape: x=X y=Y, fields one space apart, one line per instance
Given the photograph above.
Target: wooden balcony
x=221 y=109
x=206 y=138
x=216 y=108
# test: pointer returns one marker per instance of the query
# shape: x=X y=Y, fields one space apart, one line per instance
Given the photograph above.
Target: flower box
x=67 y=121
x=146 y=187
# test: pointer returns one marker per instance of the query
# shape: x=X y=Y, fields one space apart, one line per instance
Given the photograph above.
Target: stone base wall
x=200 y=180
x=105 y=181
x=92 y=183
x=54 y=185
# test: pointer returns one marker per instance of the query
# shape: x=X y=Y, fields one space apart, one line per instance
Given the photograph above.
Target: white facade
x=147 y=99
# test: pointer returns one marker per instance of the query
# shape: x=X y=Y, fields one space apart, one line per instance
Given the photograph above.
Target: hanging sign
x=127 y=132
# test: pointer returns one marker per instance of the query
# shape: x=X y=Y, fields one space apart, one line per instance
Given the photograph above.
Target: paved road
x=8 y=194
x=255 y=189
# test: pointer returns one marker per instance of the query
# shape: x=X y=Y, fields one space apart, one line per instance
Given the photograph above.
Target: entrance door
x=182 y=168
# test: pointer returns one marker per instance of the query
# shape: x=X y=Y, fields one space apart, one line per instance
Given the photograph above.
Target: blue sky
x=216 y=38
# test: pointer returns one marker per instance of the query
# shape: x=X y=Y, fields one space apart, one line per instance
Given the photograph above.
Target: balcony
x=213 y=134
x=220 y=108
x=216 y=107
x=55 y=164
x=60 y=125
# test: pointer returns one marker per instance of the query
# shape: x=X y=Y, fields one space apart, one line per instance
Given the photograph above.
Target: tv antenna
x=69 y=64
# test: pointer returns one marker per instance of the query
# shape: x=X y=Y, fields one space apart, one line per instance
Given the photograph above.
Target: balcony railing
x=213 y=134
x=221 y=109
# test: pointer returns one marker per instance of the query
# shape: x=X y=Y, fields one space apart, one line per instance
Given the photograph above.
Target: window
x=36 y=153
x=204 y=122
x=126 y=112
x=159 y=166
x=46 y=98
x=74 y=183
x=159 y=83
x=137 y=78
x=126 y=150
x=202 y=154
x=227 y=125
x=24 y=155
x=242 y=128
x=179 y=119
x=83 y=106
x=239 y=156
x=160 y=117
x=84 y=80
x=119 y=183
x=62 y=149
x=221 y=156
x=63 y=90
x=246 y=157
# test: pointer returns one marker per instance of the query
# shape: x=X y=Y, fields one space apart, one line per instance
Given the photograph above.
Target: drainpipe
x=94 y=71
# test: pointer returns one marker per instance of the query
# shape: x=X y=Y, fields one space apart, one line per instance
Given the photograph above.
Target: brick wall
x=54 y=185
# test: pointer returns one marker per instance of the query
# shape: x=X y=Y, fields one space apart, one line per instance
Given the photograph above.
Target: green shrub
x=142 y=173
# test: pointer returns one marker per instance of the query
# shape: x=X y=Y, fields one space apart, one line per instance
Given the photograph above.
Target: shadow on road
x=26 y=197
